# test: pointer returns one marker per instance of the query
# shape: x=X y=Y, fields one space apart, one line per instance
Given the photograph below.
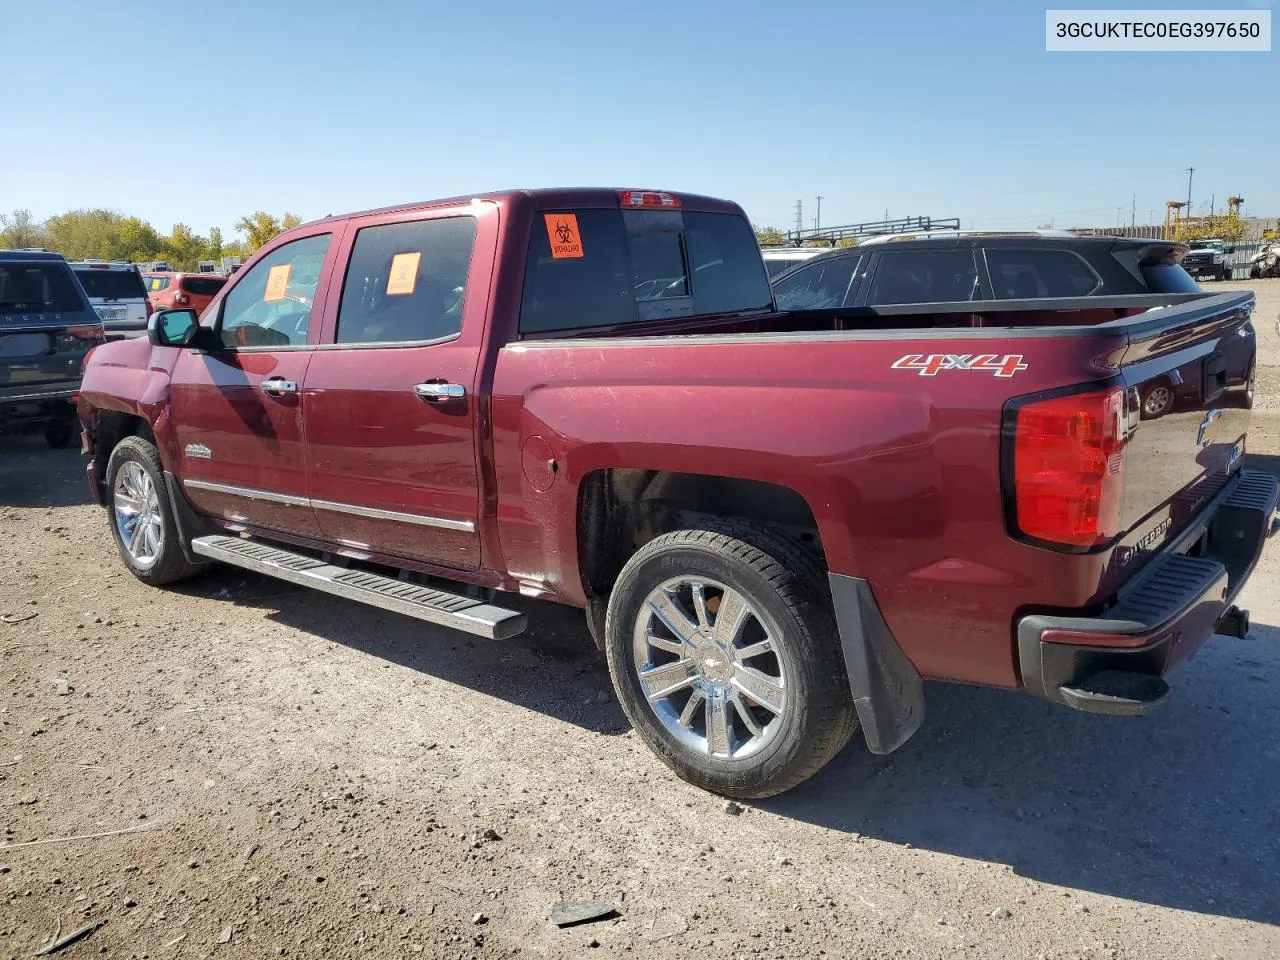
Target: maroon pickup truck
x=776 y=522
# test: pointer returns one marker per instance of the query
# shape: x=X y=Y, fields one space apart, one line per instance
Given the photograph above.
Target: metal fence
x=1239 y=260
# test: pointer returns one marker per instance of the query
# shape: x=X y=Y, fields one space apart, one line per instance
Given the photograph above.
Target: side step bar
x=423 y=603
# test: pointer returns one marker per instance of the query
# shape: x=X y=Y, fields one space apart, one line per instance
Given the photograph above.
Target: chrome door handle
x=276 y=385
x=440 y=391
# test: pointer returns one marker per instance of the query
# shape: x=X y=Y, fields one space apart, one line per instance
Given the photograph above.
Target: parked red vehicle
x=168 y=291
x=777 y=523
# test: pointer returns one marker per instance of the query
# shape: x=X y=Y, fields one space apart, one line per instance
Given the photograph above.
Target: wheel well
x=619 y=511
x=109 y=428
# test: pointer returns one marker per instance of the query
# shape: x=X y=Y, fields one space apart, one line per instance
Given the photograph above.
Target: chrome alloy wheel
x=137 y=513
x=1157 y=400
x=710 y=668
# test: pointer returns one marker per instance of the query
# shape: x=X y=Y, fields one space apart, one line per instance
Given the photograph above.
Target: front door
x=390 y=396
x=238 y=409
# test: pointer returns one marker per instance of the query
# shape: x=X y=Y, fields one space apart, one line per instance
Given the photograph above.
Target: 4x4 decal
x=928 y=365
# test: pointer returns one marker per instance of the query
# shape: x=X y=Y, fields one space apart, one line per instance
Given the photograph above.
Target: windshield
x=1205 y=244
x=110 y=284
x=37 y=288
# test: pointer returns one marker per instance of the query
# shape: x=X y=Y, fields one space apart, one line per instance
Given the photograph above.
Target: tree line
x=100 y=234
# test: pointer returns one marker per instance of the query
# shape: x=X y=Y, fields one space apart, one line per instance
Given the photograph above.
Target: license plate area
x=14 y=346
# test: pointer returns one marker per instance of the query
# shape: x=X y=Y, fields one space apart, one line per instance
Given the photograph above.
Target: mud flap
x=886 y=686
x=190 y=523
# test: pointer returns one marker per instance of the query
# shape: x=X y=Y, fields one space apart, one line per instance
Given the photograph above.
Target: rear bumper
x=27 y=404
x=1161 y=617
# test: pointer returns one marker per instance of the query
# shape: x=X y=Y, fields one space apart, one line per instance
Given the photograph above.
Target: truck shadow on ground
x=1176 y=809
x=553 y=668
x=34 y=475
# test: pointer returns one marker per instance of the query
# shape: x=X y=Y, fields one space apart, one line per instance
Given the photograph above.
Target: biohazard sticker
x=562 y=231
x=404 y=274
x=277 y=282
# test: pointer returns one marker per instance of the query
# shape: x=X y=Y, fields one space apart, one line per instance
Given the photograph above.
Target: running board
x=398 y=596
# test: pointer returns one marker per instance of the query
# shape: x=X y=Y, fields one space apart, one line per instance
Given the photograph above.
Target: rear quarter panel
x=901 y=470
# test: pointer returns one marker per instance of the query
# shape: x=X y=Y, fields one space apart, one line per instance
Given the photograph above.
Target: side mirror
x=176 y=328
x=1228 y=249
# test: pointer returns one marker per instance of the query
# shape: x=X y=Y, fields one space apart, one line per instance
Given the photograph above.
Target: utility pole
x=799 y=218
x=817 y=220
x=1133 y=211
x=1212 y=198
x=1191 y=171
x=1118 y=209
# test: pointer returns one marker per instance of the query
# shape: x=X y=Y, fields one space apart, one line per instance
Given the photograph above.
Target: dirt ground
x=301 y=776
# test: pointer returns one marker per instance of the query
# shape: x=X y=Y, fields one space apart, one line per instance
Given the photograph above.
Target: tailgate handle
x=1215 y=377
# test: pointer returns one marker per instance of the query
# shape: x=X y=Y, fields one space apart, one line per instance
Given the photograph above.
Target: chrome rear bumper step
x=398 y=596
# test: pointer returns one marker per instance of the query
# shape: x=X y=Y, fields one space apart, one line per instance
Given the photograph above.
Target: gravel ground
x=304 y=777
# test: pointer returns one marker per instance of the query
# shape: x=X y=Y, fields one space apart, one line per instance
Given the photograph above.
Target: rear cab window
x=156 y=284
x=201 y=286
x=612 y=267
x=109 y=284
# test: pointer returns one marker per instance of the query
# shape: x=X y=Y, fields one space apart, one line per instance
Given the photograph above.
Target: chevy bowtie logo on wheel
x=930 y=365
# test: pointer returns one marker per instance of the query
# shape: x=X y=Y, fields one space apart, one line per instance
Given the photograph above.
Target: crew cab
x=777 y=522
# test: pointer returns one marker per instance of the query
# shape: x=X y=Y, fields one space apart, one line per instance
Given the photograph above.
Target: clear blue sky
x=930 y=107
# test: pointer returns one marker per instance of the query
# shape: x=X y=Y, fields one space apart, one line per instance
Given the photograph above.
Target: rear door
x=391 y=396
x=238 y=409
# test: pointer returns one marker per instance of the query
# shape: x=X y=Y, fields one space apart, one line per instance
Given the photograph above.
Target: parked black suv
x=46 y=328
x=1024 y=271
x=915 y=268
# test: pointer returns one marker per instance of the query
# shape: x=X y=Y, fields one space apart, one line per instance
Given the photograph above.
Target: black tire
x=59 y=433
x=786 y=587
x=169 y=564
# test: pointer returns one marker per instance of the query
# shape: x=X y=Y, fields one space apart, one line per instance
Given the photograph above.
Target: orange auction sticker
x=562 y=231
x=277 y=282
x=404 y=273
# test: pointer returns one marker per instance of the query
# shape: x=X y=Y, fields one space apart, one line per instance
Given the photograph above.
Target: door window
x=407 y=281
x=925 y=276
x=817 y=286
x=270 y=304
x=1027 y=274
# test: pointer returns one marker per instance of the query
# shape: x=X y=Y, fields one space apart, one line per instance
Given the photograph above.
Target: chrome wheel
x=139 y=520
x=710 y=668
x=1157 y=400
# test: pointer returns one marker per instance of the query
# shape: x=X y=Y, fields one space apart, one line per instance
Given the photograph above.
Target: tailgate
x=1188 y=374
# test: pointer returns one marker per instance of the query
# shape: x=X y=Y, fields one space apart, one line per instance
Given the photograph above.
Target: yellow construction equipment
x=1222 y=226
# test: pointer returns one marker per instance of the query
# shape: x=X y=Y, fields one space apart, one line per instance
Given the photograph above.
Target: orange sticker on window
x=404 y=273
x=277 y=282
x=562 y=231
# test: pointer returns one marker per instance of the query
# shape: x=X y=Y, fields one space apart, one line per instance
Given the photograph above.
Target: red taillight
x=649 y=198
x=1068 y=465
x=86 y=331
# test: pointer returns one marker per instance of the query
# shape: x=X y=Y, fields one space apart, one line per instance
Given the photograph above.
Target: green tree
x=215 y=243
x=846 y=243
x=183 y=249
x=260 y=227
x=20 y=229
x=769 y=236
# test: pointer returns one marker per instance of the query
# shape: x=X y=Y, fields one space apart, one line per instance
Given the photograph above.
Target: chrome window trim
x=464 y=526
